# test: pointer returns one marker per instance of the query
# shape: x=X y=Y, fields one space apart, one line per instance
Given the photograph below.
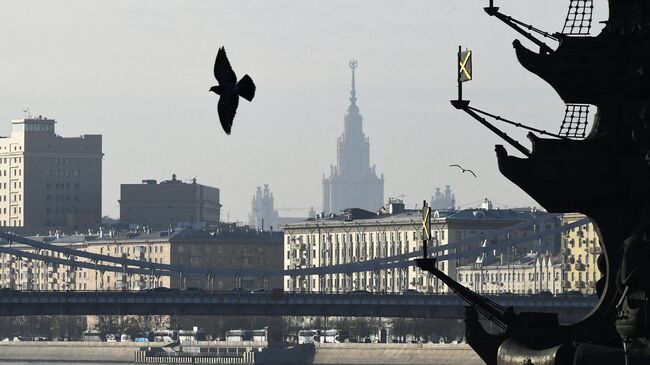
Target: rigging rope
x=531 y=28
x=517 y=124
x=578 y=18
x=575 y=121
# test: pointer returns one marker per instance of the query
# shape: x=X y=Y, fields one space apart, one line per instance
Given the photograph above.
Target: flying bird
x=229 y=90
x=464 y=170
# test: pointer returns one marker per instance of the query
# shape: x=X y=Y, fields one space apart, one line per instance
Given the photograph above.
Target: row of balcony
x=594 y=250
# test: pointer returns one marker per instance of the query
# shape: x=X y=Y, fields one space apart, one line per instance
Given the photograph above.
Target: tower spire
x=352 y=183
x=353 y=93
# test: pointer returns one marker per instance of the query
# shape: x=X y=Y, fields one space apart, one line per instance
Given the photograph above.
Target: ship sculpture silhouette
x=605 y=175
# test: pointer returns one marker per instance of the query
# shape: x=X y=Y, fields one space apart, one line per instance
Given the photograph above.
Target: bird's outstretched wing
x=463 y=170
x=222 y=70
x=227 y=108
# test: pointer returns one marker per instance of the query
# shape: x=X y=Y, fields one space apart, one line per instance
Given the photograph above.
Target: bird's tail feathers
x=246 y=88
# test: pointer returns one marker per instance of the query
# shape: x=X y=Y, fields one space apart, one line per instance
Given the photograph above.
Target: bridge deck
x=173 y=302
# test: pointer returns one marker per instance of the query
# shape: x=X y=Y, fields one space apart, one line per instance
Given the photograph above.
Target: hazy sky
x=139 y=72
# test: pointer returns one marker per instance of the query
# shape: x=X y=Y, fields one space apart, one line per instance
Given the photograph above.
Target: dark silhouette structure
x=605 y=176
x=229 y=89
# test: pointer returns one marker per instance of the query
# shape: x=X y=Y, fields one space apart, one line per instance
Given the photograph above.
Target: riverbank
x=321 y=354
x=395 y=354
x=65 y=351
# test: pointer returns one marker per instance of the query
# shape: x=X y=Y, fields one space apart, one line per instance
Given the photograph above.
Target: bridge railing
x=231 y=293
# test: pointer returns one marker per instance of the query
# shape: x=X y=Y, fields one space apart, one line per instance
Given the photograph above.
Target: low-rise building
x=228 y=248
x=580 y=250
x=170 y=203
x=358 y=235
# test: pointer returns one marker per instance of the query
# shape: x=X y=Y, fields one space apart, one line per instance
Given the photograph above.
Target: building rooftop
x=37 y=124
x=219 y=235
x=39 y=119
x=363 y=216
x=173 y=180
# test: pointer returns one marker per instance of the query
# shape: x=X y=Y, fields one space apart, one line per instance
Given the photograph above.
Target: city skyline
x=536 y=255
x=139 y=75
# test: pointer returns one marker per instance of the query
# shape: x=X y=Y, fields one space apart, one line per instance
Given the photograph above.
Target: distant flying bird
x=229 y=89
x=463 y=170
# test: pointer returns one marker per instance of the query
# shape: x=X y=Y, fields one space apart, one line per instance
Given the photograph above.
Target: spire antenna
x=353 y=94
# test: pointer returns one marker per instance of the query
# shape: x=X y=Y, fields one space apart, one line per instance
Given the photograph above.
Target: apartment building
x=580 y=251
x=532 y=273
x=47 y=180
x=358 y=235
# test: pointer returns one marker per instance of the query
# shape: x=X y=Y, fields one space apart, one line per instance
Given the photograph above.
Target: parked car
x=111 y=337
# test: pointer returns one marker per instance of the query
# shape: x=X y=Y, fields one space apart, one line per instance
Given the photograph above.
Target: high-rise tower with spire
x=352 y=183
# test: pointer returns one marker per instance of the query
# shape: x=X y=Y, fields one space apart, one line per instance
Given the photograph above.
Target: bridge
x=129 y=266
x=198 y=302
x=233 y=303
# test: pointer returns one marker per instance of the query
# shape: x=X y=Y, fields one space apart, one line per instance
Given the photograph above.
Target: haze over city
x=139 y=74
x=381 y=182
